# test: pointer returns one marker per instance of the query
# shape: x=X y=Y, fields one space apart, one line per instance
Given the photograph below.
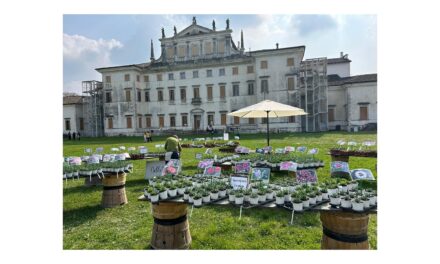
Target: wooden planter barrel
x=113 y=191
x=344 y=230
x=95 y=181
x=171 y=227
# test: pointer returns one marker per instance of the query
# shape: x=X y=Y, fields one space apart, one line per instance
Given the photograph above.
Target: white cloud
x=76 y=46
x=73 y=87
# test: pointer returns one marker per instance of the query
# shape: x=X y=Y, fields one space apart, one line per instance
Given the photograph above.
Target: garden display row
x=212 y=144
x=354 y=153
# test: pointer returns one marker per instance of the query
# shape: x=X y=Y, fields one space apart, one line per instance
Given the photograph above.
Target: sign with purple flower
x=339 y=166
x=289 y=149
x=301 y=149
x=199 y=156
x=362 y=174
x=212 y=171
x=259 y=151
x=75 y=161
x=260 y=174
x=243 y=167
x=305 y=176
x=288 y=166
x=99 y=150
x=205 y=163
x=267 y=149
x=313 y=151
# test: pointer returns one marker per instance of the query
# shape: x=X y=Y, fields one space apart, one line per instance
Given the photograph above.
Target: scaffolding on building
x=93 y=109
x=312 y=96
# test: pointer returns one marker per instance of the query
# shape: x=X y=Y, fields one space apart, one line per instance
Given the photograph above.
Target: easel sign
x=226 y=136
x=99 y=150
x=339 y=166
x=301 y=149
x=143 y=150
x=267 y=149
x=279 y=150
x=239 y=182
x=93 y=160
x=212 y=171
x=205 y=163
x=289 y=149
x=313 y=151
x=243 y=167
x=208 y=151
x=172 y=167
x=153 y=169
x=362 y=174
x=288 y=166
x=260 y=174
x=199 y=156
x=121 y=147
x=88 y=150
x=306 y=176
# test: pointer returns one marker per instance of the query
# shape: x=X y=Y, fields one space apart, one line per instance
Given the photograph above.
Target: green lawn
x=88 y=226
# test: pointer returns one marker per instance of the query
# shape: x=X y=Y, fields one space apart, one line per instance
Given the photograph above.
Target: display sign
x=208 y=151
x=121 y=147
x=267 y=149
x=259 y=151
x=362 y=174
x=98 y=156
x=241 y=149
x=239 y=182
x=153 y=169
x=288 y=166
x=120 y=157
x=243 y=167
x=107 y=158
x=143 y=150
x=88 y=150
x=199 y=156
x=93 y=160
x=339 y=166
x=114 y=149
x=289 y=149
x=75 y=161
x=305 y=176
x=212 y=171
x=205 y=163
x=172 y=167
x=99 y=150
x=260 y=174
x=313 y=151
x=301 y=149
x=279 y=150
x=131 y=149
x=225 y=136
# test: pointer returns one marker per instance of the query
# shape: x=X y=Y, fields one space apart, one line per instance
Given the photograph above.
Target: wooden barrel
x=96 y=181
x=171 y=227
x=344 y=230
x=113 y=193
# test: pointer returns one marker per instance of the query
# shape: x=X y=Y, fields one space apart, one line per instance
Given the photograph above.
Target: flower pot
x=180 y=191
x=359 y=207
x=222 y=193
x=186 y=196
x=373 y=200
x=297 y=206
x=254 y=201
x=335 y=201
x=345 y=203
x=231 y=198
x=146 y=192
x=269 y=196
x=198 y=202
x=254 y=190
x=287 y=198
x=69 y=175
x=262 y=198
x=355 y=185
x=239 y=200
x=75 y=174
x=190 y=200
x=350 y=186
x=332 y=191
x=214 y=196
x=206 y=199
x=172 y=193
x=247 y=197
x=319 y=198
x=312 y=200
x=291 y=188
x=163 y=195
x=344 y=188
x=306 y=203
x=280 y=200
x=325 y=196
x=154 y=198
x=366 y=204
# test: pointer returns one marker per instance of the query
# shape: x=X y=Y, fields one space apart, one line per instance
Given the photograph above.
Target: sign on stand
x=225 y=136
x=362 y=174
x=199 y=156
x=288 y=166
x=339 y=166
x=143 y=150
x=306 y=176
x=153 y=169
x=260 y=174
x=205 y=163
x=212 y=171
x=301 y=149
x=172 y=167
x=243 y=167
x=239 y=182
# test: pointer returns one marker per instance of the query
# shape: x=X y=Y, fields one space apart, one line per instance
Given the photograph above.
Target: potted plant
x=297 y=204
x=344 y=187
x=172 y=190
x=366 y=201
x=346 y=202
x=247 y=194
x=154 y=196
x=269 y=194
x=163 y=192
x=287 y=197
x=239 y=197
x=222 y=190
x=197 y=199
x=214 y=193
x=312 y=198
x=279 y=198
x=180 y=188
x=206 y=196
x=254 y=198
x=186 y=194
x=354 y=185
x=232 y=196
x=305 y=201
x=373 y=198
x=332 y=189
x=318 y=196
x=335 y=199
x=358 y=205
x=261 y=195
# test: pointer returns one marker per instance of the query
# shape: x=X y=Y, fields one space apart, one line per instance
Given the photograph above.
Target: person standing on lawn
x=69 y=136
x=172 y=144
x=145 y=137
x=78 y=135
x=74 y=135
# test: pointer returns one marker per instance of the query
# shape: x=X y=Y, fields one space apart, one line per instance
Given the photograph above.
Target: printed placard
x=237 y=138
x=75 y=161
x=121 y=147
x=153 y=169
x=131 y=149
x=305 y=176
x=301 y=149
x=99 y=150
x=288 y=166
x=205 y=163
x=339 y=166
x=143 y=150
x=259 y=151
x=213 y=171
x=172 y=167
x=225 y=136
x=93 y=160
x=241 y=149
x=126 y=155
x=120 y=157
x=114 y=149
x=289 y=149
x=267 y=149
x=279 y=150
x=98 y=156
x=88 y=150
x=313 y=151
x=260 y=174
x=107 y=158
x=362 y=174
x=239 y=182
x=243 y=167
x=199 y=156
x=208 y=151
x=84 y=158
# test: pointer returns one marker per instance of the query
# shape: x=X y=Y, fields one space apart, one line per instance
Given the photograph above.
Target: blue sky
x=92 y=41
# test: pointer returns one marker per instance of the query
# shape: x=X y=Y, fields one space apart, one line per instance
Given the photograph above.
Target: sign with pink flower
x=243 y=167
x=171 y=168
x=288 y=166
x=305 y=176
x=339 y=166
x=212 y=171
x=289 y=149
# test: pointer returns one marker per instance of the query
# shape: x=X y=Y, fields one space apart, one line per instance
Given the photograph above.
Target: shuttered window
x=363 y=113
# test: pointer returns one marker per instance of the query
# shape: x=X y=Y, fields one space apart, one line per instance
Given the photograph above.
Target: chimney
x=152 y=52
x=342 y=54
x=277 y=45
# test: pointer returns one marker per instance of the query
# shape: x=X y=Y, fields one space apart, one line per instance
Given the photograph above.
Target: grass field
x=88 y=226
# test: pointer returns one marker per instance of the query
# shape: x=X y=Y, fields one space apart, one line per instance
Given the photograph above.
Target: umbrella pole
x=267 y=122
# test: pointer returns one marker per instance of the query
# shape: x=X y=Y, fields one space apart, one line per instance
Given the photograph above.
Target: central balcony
x=196 y=101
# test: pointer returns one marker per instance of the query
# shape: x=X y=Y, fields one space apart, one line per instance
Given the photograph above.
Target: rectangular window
x=108 y=79
x=171 y=94
x=208 y=47
x=211 y=119
x=170 y=52
x=184 y=120
x=264 y=86
x=195 y=50
x=195 y=74
x=139 y=96
x=160 y=95
x=67 y=124
x=182 y=75
x=140 y=122
x=234 y=70
x=251 y=121
x=159 y=77
x=170 y=76
x=161 y=121
x=291 y=119
x=138 y=78
x=209 y=88
x=221 y=72
x=236 y=120
x=110 y=122
x=250 y=69
x=221 y=46
x=235 y=90
x=108 y=97
x=291 y=83
x=129 y=122
x=148 y=122
x=172 y=121
x=81 y=123
x=127 y=95
x=363 y=113
x=331 y=114
x=146 y=78
x=147 y=96
x=183 y=94
x=290 y=62
x=208 y=73
x=127 y=77
x=251 y=88
x=181 y=52
x=196 y=92
x=222 y=91
x=223 y=119
x=263 y=64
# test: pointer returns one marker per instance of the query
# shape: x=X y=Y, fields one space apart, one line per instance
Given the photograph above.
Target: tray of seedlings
x=354 y=201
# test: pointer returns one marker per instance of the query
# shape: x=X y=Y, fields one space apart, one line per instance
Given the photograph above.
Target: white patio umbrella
x=268 y=109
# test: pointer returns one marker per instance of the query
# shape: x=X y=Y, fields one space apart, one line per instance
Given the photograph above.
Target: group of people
x=148 y=136
x=74 y=136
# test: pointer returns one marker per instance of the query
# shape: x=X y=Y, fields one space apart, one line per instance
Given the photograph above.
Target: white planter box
x=254 y=201
x=325 y=196
x=180 y=191
x=163 y=195
x=280 y=200
x=246 y=198
x=312 y=200
x=190 y=199
x=359 y=207
x=232 y=198
x=262 y=198
x=297 y=206
x=344 y=188
x=185 y=196
x=319 y=198
x=214 y=196
x=335 y=201
x=198 y=202
x=269 y=196
x=366 y=204
x=287 y=198
x=222 y=193
x=345 y=203
x=154 y=198
x=172 y=193
x=239 y=200
x=206 y=199
x=306 y=203
x=332 y=191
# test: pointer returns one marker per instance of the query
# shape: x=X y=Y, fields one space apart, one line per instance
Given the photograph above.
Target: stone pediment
x=193 y=30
